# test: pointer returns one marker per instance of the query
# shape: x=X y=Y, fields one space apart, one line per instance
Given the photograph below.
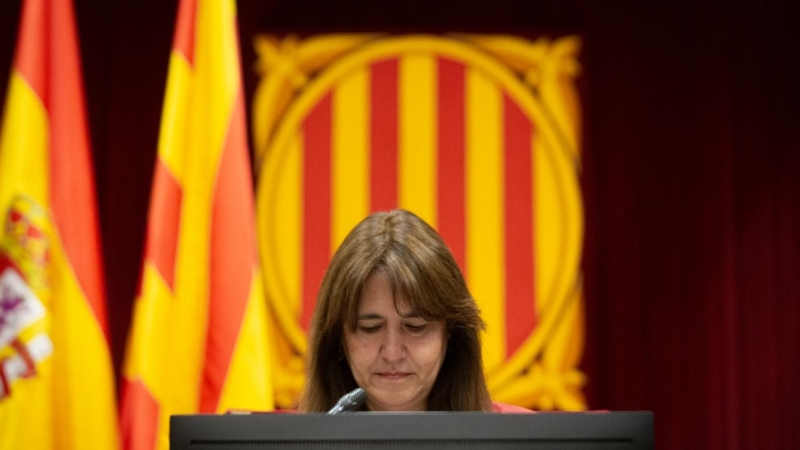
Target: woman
x=394 y=316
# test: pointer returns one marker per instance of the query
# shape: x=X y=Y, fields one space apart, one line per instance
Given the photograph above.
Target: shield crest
x=477 y=135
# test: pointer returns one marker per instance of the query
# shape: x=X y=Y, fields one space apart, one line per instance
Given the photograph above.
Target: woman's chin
x=393 y=402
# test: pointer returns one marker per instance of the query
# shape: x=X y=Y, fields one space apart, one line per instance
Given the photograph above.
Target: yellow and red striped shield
x=478 y=135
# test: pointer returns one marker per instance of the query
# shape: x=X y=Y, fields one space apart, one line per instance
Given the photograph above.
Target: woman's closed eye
x=369 y=329
x=416 y=328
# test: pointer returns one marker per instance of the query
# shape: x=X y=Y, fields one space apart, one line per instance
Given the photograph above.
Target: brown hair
x=422 y=271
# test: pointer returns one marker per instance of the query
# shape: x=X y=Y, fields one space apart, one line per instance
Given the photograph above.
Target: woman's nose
x=393 y=347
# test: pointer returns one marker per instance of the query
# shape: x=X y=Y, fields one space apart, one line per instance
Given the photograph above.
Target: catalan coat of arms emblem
x=477 y=134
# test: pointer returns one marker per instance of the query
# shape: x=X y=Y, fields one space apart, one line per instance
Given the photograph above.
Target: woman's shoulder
x=504 y=408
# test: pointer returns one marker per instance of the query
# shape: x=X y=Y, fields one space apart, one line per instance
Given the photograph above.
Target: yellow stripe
x=484 y=171
x=23 y=146
x=74 y=328
x=146 y=352
x=288 y=250
x=248 y=384
x=350 y=159
x=27 y=419
x=417 y=135
x=174 y=118
x=549 y=223
x=215 y=84
x=185 y=339
x=151 y=355
x=286 y=253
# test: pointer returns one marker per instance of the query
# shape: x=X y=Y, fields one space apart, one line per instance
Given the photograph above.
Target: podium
x=418 y=431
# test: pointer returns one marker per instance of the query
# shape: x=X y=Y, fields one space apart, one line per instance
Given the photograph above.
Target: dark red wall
x=690 y=181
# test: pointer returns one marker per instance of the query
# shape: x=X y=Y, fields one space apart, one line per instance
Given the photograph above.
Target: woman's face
x=394 y=355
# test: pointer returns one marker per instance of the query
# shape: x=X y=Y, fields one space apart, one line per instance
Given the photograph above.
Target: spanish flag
x=198 y=342
x=56 y=377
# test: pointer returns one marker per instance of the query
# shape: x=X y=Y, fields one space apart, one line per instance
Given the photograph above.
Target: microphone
x=350 y=401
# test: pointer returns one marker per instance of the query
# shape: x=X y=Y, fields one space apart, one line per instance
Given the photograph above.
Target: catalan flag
x=198 y=342
x=56 y=377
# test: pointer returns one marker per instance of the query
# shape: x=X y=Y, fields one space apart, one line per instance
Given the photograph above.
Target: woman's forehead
x=378 y=294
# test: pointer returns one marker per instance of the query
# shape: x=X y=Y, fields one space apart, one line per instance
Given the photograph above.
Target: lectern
x=417 y=431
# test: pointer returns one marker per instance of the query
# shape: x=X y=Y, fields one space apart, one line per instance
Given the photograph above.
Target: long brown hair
x=422 y=271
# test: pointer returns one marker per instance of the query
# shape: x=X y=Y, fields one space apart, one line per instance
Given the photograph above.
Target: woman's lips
x=393 y=375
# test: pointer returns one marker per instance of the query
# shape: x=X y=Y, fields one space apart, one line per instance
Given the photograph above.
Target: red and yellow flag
x=198 y=341
x=56 y=377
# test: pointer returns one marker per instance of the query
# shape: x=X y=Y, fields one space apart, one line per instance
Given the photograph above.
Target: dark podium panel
x=418 y=431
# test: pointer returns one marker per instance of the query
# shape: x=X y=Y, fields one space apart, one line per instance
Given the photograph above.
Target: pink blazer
x=504 y=408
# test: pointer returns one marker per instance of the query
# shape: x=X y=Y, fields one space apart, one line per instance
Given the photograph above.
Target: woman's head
x=395 y=317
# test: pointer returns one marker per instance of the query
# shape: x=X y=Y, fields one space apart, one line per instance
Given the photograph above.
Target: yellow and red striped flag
x=198 y=342
x=56 y=376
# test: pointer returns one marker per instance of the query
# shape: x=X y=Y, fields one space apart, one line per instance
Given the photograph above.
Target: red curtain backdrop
x=692 y=196
x=690 y=181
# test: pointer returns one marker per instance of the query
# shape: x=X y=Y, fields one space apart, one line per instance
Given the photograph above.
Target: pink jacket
x=504 y=408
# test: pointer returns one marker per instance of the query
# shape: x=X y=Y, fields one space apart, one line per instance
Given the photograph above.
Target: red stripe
x=184 y=30
x=316 y=204
x=451 y=197
x=232 y=258
x=383 y=135
x=140 y=419
x=520 y=312
x=164 y=223
x=72 y=190
x=33 y=41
